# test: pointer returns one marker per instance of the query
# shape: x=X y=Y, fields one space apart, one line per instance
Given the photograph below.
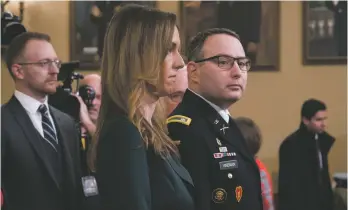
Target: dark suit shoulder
x=290 y=140
x=121 y=128
x=122 y=171
x=4 y=110
x=183 y=123
x=61 y=114
x=6 y=107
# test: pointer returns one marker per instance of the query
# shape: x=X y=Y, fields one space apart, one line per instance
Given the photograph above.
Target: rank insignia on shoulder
x=239 y=193
x=179 y=119
x=219 y=195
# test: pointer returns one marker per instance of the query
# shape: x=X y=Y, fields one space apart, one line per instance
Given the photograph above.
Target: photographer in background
x=89 y=115
x=89 y=96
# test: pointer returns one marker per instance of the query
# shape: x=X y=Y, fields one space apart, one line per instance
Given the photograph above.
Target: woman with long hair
x=136 y=163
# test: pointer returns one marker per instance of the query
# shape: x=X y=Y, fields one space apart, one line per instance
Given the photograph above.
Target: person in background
x=137 y=165
x=253 y=138
x=304 y=180
x=211 y=146
x=88 y=119
x=40 y=158
x=89 y=115
x=178 y=89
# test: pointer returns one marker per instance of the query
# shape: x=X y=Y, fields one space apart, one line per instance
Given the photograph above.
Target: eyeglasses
x=46 y=64
x=226 y=62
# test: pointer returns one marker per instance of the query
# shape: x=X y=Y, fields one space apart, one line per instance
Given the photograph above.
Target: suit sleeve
x=289 y=189
x=122 y=170
x=194 y=157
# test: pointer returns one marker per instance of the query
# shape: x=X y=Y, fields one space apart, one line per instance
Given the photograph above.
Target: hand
x=252 y=47
x=84 y=117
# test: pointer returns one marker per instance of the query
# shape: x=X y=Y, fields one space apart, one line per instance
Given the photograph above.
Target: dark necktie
x=49 y=133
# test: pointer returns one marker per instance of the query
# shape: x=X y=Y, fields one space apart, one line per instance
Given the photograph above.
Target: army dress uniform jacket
x=214 y=152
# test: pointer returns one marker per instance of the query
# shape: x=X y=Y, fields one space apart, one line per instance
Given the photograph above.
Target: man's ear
x=305 y=120
x=17 y=71
x=192 y=72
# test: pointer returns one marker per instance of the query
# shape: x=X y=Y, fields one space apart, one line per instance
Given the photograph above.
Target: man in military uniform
x=211 y=146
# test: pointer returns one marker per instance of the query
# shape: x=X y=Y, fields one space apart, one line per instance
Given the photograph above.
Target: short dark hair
x=251 y=133
x=194 y=50
x=17 y=45
x=310 y=107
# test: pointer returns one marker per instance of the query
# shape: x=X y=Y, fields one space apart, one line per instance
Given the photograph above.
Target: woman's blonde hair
x=136 y=43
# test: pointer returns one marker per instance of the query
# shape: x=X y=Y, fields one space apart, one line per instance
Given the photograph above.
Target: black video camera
x=63 y=98
x=10 y=27
x=87 y=94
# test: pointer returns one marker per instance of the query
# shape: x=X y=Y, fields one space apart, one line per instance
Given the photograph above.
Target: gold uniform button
x=229 y=175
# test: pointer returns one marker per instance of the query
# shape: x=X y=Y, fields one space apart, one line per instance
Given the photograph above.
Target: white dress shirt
x=225 y=114
x=31 y=106
x=316 y=137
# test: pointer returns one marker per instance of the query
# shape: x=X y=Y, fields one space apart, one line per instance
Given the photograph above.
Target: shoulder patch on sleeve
x=179 y=119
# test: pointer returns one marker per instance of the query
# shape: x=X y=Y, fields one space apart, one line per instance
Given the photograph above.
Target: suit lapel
x=68 y=168
x=180 y=170
x=31 y=134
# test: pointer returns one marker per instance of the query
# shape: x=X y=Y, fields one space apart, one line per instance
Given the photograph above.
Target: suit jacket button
x=229 y=175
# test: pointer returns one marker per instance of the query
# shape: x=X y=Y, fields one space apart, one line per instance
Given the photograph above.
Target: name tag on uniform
x=223 y=149
x=227 y=165
x=90 y=187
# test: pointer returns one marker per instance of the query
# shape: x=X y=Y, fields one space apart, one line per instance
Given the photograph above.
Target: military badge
x=179 y=119
x=218 y=142
x=223 y=129
x=223 y=149
x=83 y=142
x=239 y=193
x=219 y=195
x=224 y=154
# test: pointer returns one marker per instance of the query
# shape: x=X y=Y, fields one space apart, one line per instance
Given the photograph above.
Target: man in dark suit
x=39 y=144
x=304 y=180
x=212 y=148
